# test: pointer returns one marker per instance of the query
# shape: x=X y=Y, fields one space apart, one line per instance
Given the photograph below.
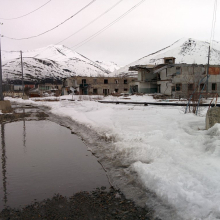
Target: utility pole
x=22 y=74
x=1 y=92
x=207 y=74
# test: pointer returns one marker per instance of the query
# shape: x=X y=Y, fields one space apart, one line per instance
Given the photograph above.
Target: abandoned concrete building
x=176 y=80
x=96 y=85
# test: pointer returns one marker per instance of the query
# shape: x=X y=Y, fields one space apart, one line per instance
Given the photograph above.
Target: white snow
x=170 y=151
x=53 y=61
x=185 y=50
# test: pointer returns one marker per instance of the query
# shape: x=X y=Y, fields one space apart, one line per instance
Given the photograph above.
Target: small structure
x=212 y=117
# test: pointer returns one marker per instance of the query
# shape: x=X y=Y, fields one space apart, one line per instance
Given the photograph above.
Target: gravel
x=98 y=204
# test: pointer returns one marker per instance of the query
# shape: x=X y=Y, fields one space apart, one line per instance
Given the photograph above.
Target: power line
x=27 y=13
x=106 y=27
x=91 y=21
x=53 y=27
x=85 y=25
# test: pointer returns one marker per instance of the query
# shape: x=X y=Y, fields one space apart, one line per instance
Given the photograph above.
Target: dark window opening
x=173 y=89
x=116 y=90
x=95 y=91
x=116 y=81
x=190 y=87
x=105 y=81
x=125 y=81
x=178 y=87
x=83 y=81
x=214 y=86
x=125 y=89
x=201 y=86
x=169 y=60
x=178 y=70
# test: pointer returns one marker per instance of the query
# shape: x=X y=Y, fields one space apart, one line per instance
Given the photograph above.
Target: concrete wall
x=212 y=117
x=100 y=85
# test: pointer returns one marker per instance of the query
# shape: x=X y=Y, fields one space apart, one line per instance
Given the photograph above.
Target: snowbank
x=170 y=151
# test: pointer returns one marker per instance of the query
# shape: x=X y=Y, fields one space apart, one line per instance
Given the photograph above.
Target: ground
x=99 y=204
x=158 y=156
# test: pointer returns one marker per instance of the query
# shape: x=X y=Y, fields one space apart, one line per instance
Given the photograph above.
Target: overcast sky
x=151 y=26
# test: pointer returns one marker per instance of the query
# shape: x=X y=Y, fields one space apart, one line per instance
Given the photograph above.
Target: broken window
x=116 y=90
x=83 y=81
x=125 y=89
x=178 y=70
x=125 y=81
x=105 y=81
x=95 y=91
x=178 y=87
x=116 y=81
x=173 y=88
x=214 y=86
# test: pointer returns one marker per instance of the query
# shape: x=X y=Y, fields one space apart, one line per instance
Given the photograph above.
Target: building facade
x=96 y=85
x=177 y=80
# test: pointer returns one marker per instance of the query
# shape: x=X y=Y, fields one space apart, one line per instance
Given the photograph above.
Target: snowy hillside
x=110 y=66
x=54 y=61
x=186 y=50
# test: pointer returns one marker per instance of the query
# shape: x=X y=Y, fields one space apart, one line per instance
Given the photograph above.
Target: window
x=169 y=60
x=125 y=81
x=178 y=87
x=105 y=81
x=178 y=70
x=173 y=88
x=214 y=86
x=116 y=90
x=95 y=81
x=190 y=87
x=95 y=91
x=116 y=81
x=125 y=89
x=201 y=86
x=83 y=81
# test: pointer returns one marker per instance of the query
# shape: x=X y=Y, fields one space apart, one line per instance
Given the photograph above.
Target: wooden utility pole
x=1 y=92
x=22 y=74
x=207 y=73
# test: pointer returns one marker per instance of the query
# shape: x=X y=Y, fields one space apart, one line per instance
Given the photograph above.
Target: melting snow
x=170 y=151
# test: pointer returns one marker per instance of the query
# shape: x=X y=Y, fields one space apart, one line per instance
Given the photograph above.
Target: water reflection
x=24 y=133
x=4 y=157
x=42 y=159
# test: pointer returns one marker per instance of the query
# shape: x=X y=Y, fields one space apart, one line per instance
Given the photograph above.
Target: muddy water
x=41 y=158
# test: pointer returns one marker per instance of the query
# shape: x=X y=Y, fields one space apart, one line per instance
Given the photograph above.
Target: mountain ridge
x=185 y=50
x=53 y=61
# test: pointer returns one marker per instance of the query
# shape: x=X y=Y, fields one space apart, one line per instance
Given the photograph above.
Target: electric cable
x=26 y=38
x=85 y=25
x=105 y=28
x=27 y=13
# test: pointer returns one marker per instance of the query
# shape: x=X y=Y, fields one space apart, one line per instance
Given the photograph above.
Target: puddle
x=41 y=158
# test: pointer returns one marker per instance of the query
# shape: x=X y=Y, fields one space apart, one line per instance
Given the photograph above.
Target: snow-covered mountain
x=110 y=66
x=54 y=61
x=186 y=50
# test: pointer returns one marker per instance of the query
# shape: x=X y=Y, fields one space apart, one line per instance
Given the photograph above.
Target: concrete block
x=212 y=117
x=5 y=106
x=25 y=97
